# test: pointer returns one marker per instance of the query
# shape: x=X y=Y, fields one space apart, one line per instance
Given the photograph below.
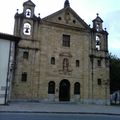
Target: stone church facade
x=60 y=57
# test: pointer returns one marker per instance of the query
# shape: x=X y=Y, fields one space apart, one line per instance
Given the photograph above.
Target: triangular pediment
x=66 y=16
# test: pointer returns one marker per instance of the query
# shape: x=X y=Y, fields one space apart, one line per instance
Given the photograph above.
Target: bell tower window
x=28 y=13
x=98 y=43
x=27 y=29
x=98 y=27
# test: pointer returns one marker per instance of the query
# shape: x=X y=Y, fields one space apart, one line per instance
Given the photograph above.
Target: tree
x=114 y=73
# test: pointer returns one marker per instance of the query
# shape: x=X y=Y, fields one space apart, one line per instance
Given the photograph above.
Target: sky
x=109 y=11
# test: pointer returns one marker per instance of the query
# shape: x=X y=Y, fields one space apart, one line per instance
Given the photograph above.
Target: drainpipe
x=92 y=73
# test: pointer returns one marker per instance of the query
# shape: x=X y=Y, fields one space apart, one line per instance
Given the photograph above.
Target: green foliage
x=114 y=73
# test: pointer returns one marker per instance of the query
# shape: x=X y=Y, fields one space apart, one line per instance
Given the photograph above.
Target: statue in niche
x=65 y=64
x=67 y=16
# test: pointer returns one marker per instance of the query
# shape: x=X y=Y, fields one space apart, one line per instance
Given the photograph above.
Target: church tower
x=101 y=35
x=99 y=61
x=27 y=20
x=27 y=54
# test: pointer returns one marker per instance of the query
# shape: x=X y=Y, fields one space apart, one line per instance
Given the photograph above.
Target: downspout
x=92 y=66
x=92 y=73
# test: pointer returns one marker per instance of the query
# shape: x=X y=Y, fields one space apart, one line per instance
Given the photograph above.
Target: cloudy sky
x=109 y=11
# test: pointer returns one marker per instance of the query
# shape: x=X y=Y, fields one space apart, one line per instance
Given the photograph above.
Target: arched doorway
x=64 y=90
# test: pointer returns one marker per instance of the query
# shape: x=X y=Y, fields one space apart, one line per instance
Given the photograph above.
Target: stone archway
x=64 y=90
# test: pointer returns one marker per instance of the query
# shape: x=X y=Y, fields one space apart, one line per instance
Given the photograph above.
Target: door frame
x=64 y=90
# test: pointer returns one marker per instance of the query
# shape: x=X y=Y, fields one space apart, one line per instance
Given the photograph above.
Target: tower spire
x=66 y=4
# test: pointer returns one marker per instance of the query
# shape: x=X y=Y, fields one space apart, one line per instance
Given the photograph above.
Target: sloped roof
x=98 y=18
x=29 y=2
x=6 y=36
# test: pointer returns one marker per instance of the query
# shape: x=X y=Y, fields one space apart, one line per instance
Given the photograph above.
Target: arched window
x=53 y=61
x=77 y=88
x=98 y=27
x=98 y=43
x=28 y=13
x=51 y=87
x=27 y=29
x=65 y=64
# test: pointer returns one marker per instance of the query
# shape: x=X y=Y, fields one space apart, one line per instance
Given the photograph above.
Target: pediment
x=66 y=16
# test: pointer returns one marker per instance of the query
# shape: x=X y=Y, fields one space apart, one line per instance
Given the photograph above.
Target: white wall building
x=7 y=52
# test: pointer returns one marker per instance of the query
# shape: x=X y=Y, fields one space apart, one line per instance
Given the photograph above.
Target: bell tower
x=27 y=26
x=100 y=43
x=28 y=9
x=97 y=23
x=26 y=21
x=99 y=61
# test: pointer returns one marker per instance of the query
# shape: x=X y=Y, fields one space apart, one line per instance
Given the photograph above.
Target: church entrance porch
x=64 y=90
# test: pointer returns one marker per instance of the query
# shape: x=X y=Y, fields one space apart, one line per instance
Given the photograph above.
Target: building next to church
x=60 y=57
x=7 y=53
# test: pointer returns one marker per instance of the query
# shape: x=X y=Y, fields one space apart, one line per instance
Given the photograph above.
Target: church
x=60 y=57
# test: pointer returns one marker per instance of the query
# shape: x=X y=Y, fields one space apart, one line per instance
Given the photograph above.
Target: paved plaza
x=67 y=108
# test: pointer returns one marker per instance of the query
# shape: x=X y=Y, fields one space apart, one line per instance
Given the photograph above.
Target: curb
x=44 y=112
